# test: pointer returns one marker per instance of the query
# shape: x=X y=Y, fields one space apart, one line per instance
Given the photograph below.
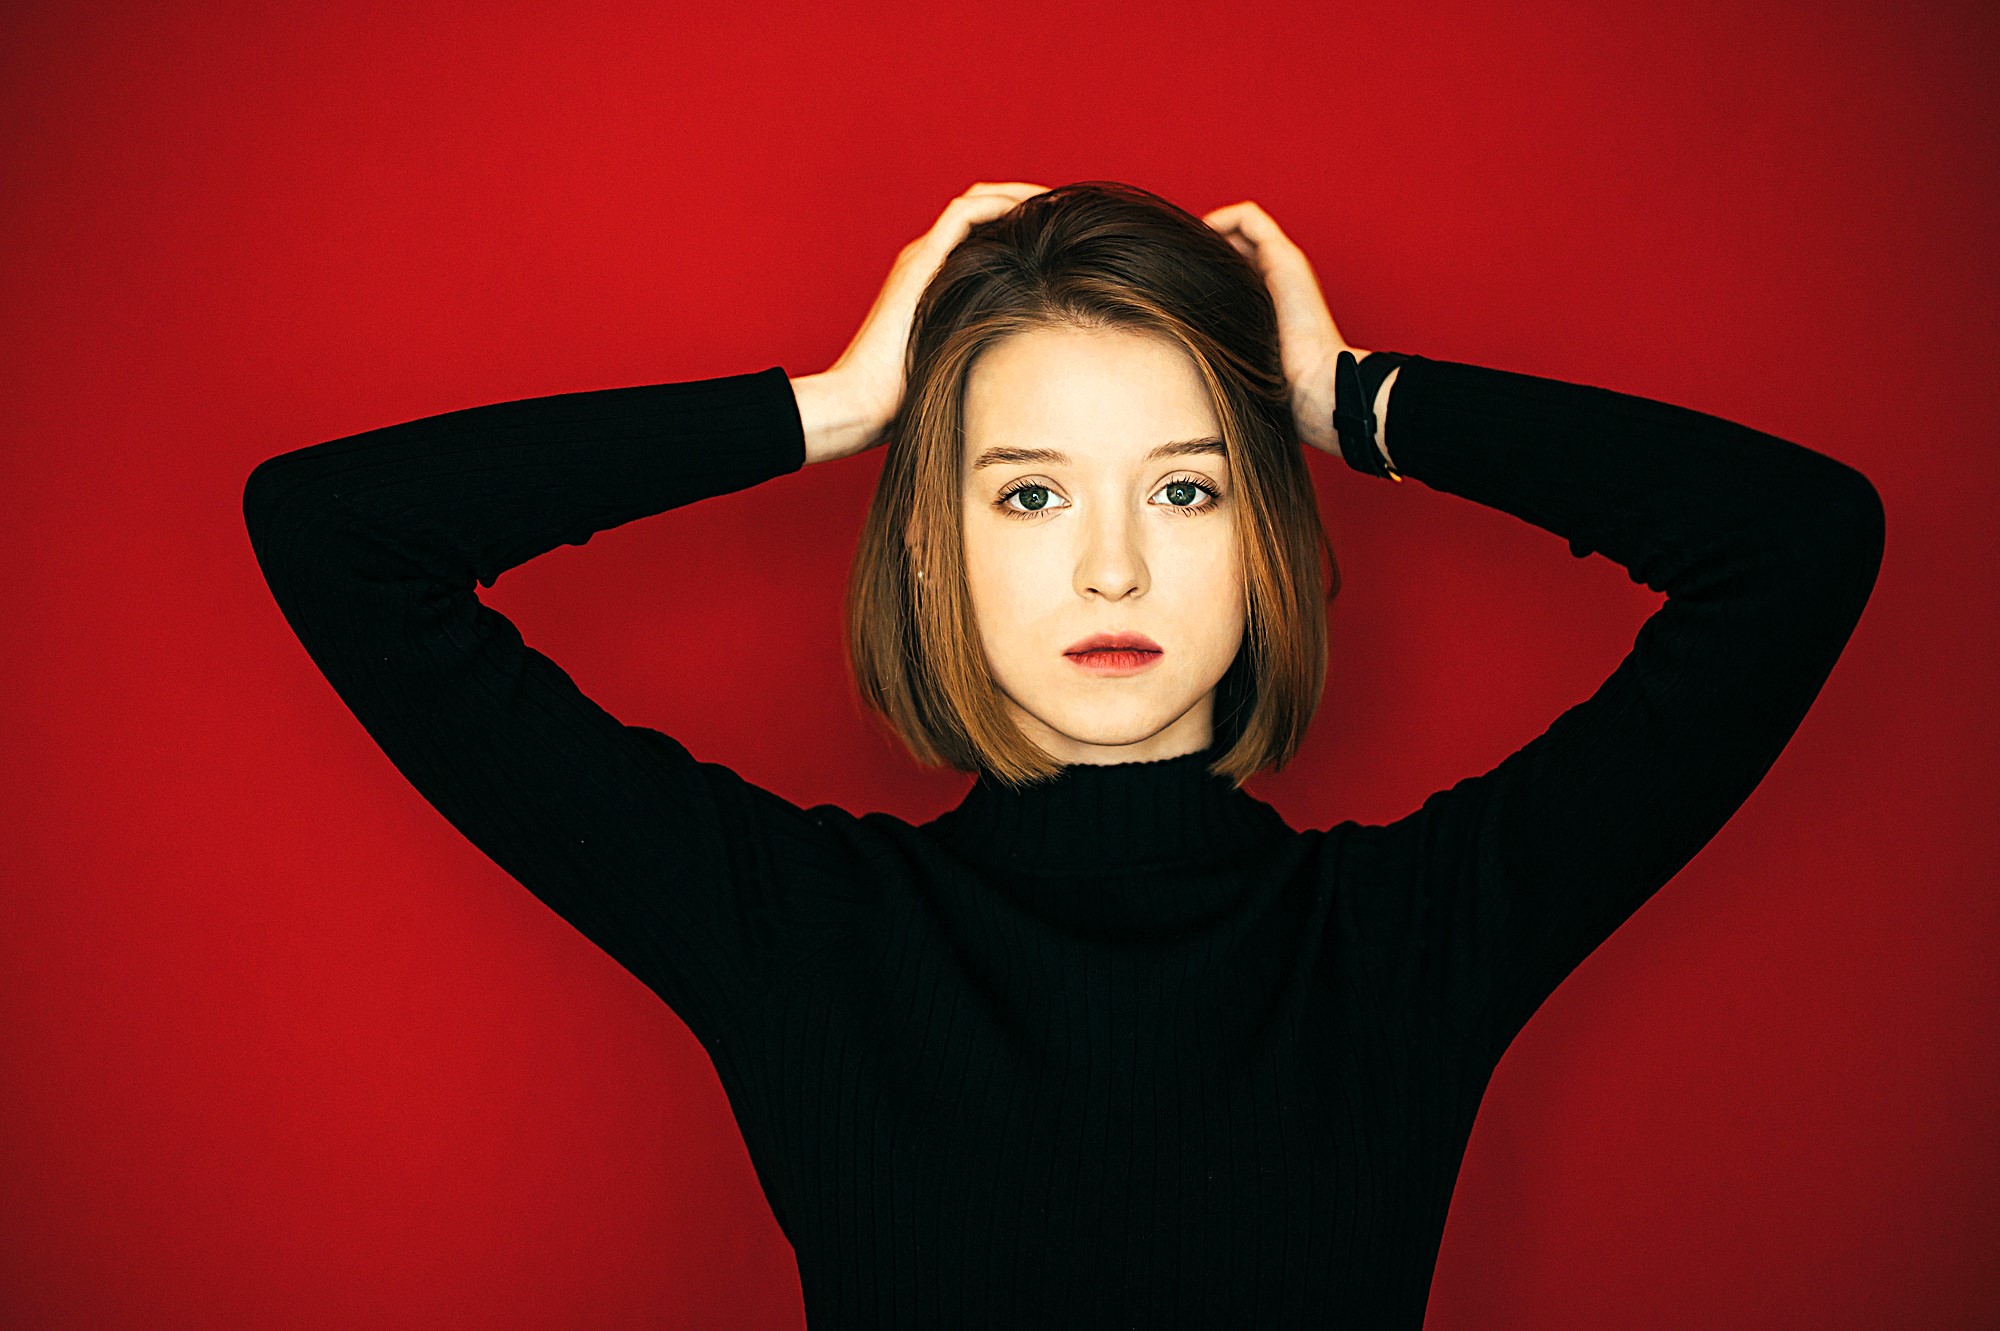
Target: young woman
x=1109 y=1043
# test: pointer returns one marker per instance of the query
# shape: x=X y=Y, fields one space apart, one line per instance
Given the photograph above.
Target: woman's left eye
x=1181 y=494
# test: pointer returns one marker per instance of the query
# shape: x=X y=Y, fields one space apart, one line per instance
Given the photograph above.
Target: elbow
x=1839 y=555
x=283 y=510
x=278 y=496
x=1860 y=527
x=260 y=501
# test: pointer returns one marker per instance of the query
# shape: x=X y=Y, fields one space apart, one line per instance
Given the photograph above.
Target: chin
x=1109 y=728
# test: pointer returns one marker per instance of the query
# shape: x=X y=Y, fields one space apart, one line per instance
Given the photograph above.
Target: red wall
x=282 y=1049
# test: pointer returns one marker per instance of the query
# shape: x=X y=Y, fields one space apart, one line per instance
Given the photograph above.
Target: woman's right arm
x=704 y=886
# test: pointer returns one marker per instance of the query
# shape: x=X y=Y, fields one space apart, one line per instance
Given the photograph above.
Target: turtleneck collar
x=1162 y=814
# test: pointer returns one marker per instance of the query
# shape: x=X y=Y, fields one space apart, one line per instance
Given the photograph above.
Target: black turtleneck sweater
x=1124 y=1049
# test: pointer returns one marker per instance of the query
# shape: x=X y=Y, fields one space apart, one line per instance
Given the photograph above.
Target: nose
x=1111 y=565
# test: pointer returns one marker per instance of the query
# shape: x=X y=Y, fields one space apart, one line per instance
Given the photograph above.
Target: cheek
x=999 y=581
x=1013 y=583
x=1208 y=598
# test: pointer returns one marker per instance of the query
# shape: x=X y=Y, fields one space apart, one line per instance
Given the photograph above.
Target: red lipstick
x=1114 y=653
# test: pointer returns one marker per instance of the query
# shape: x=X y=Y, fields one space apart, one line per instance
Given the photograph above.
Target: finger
x=1250 y=221
x=960 y=215
x=1246 y=208
x=1274 y=253
x=991 y=199
x=1226 y=219
x=973 y=207
x=985 y=200
x=1002 y=198
x=1234 y=225
x=1239 y=242
x=1240 y=245
x=1013 y=189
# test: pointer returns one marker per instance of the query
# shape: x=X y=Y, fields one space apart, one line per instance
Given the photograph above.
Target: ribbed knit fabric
x=1123 y=1049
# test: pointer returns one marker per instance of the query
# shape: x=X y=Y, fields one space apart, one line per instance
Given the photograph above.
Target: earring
x=920 y=573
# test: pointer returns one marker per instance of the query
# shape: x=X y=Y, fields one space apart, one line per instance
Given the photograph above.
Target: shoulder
x=761 y=823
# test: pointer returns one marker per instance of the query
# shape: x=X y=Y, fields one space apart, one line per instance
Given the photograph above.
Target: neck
x=1109 y=817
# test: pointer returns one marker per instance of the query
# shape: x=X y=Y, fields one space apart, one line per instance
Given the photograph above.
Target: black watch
x=1355 y=383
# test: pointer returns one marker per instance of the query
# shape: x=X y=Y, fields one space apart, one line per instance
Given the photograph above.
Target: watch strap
x=1355 y=384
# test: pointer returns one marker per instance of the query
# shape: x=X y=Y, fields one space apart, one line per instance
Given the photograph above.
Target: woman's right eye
x=1034 y=499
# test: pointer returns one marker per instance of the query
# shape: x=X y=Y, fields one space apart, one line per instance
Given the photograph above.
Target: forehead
x=1097 y=395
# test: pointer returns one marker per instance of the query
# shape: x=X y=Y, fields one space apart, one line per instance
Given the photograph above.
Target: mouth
x=1115 y=653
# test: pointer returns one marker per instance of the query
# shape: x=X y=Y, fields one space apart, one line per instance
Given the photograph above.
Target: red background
x=282 y=1049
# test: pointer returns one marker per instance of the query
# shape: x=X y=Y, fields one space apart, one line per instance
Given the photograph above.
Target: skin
x=1108 y=549
x=1119 y=542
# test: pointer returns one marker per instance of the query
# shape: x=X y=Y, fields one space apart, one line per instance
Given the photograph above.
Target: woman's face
x=1077 y=524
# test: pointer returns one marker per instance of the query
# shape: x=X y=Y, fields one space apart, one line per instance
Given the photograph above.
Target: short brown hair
x=1090 y=255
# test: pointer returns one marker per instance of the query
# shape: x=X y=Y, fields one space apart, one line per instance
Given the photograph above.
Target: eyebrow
x=992 y=457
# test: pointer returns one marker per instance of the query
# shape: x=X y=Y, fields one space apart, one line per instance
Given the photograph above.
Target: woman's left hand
x=1309 y=342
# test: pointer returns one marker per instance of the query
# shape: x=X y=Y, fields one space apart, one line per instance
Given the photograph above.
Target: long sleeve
x=1499 y=886
x=704 y=886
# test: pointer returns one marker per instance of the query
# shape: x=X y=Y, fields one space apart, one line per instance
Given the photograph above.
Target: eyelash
x=1186 y=510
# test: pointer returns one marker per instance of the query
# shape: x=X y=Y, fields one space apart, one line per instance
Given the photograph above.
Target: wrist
x=839 y=421
x=1382 y=418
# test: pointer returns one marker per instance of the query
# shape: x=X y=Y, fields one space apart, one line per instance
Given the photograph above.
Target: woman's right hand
x=846 y=407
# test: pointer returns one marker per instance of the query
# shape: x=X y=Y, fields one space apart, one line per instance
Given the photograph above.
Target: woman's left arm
x=1485 y=898
x=1478 y=904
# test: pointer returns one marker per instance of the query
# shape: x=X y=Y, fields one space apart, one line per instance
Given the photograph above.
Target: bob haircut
x=1087 y=255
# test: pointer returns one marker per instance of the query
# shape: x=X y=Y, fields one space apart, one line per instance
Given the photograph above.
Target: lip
x=1137 y=642
x=1114 y=653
